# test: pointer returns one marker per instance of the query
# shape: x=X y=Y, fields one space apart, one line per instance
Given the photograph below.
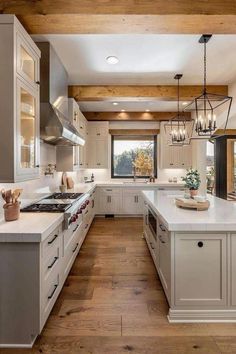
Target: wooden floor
x=113 y=303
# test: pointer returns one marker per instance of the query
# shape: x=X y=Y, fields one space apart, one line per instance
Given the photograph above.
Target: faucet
x=134 y=174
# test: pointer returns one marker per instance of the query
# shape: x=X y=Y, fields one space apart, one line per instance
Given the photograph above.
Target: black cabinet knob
x=200 y=244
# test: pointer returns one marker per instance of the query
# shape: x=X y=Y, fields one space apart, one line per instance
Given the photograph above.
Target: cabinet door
x=164 y=261
x=233 y=269
x=27 y=131
x=27 y=62
x=101 y=153
x=109 y=201
x=200 y=269
x=129 y=202
x=82 y=156
x=92 y=154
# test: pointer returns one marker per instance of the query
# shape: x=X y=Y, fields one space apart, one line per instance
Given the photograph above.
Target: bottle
x=92 y=177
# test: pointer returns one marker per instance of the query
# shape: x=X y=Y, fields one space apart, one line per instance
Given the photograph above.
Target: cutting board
x=192 y=204
x=70 y=183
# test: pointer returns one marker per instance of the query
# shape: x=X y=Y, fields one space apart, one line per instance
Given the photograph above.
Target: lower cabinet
x=200 y=269
x=132 y=202
x=109 y=200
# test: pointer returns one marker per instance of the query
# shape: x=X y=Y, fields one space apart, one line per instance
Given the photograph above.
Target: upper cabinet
x=173 y=156
x=97 y=147
x=19 y=102
x=27 y=61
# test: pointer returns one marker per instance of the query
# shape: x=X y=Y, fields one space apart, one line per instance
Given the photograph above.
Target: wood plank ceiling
x=124 y=16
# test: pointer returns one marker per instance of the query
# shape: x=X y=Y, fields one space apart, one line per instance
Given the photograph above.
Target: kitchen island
x=195 y=256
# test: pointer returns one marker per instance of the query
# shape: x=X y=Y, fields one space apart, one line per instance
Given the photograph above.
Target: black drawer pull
x=52 y=264
x=75 y=228
x=160 y=238
x=54 y=238
x=162 y=227
x=55 y=288
x=200 y=244
x=86 y=226
x=86 y=212
x=152 y=247
x=75 y=248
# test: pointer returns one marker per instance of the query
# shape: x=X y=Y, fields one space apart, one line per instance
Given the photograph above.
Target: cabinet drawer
x=51 y=262
x=200 y=269
x=51 y=241
x=49 y=296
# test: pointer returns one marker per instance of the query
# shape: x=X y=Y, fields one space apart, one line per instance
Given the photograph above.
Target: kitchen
x=100 y=250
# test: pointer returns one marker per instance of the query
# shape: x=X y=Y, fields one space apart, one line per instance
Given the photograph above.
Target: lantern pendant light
x=206 y=105
x=178 y=123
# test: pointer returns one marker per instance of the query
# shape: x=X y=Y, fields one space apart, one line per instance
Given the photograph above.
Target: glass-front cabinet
x=19 y=103
x=27 y=62
x=27 y=130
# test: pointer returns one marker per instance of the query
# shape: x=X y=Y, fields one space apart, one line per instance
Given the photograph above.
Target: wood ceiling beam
x=132 y=116
x=140 y=93
x=124 y=16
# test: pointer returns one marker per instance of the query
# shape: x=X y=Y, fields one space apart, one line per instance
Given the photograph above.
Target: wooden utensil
x=64 y=179
x=8 y=196
x=70 y=183
x=3 y=194
x=16 y=193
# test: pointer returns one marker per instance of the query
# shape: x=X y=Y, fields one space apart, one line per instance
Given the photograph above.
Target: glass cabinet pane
x=27 y=63
x=27 y=129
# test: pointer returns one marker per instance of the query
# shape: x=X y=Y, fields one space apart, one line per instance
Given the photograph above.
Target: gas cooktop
x=65 y=196
x=52 y=208
x=56 y=202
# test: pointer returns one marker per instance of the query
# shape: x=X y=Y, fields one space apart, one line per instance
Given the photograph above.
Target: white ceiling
x=153 y=106
x=143 y=60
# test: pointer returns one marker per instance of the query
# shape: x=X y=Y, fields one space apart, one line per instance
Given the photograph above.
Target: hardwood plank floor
x=113 y=303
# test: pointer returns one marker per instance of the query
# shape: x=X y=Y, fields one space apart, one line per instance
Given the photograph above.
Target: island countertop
x=221 y=215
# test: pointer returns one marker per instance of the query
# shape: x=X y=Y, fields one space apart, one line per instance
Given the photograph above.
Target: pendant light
x=206 y=106
x=177 y=126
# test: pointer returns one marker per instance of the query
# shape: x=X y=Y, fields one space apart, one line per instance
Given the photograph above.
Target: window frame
x=126 y=177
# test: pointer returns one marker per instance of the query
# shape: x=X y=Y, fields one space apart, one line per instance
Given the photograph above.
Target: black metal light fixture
x=177 y=126
x=207 y=105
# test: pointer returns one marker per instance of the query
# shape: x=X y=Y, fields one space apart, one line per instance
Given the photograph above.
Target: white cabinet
x=109 y=200
x=97 y=147
x=132 y=202
x=19 y=102
x=164 y=257
x=98 y=129
x=200 y=269
x=97 y=152
x=173 y=156
x=233 y=268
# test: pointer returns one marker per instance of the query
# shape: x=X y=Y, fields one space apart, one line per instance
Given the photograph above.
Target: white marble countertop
x=221 y=215
x=36 y=226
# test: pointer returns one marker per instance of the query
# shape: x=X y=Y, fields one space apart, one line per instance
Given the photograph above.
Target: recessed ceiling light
x=147 y=110
x=115 y=103
x=112 y=60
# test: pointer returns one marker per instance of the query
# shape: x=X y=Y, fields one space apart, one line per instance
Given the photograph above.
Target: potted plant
x=192 y=181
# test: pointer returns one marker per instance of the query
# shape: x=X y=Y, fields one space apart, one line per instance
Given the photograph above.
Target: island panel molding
x=140 y=93
x=132 y=116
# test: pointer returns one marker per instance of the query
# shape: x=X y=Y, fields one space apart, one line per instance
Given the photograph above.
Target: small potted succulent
x=192 y=181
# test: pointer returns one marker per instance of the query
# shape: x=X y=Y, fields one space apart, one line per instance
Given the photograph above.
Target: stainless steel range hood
x=55 y=127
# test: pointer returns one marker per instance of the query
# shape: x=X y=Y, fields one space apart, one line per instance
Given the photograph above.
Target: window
x=131 y=154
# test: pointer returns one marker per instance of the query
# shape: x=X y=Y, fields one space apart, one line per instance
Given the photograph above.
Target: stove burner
x=52 y=208
x=65 y=196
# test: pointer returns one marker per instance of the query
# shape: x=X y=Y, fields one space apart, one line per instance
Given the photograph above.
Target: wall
x=105 y=174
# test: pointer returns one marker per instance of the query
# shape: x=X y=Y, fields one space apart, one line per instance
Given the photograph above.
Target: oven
x=152 y=222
